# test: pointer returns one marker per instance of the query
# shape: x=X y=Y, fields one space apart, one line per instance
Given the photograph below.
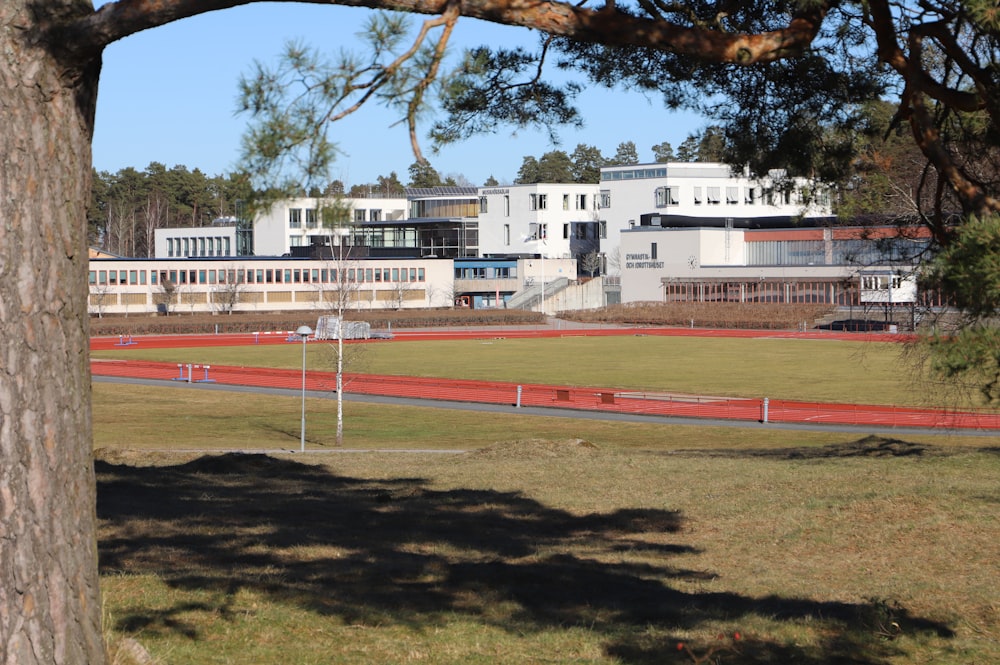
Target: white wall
x=272 y=234
x=523 y=221
x=195 y=236
x=636 y=195
x=136 y=287
x=698 y=253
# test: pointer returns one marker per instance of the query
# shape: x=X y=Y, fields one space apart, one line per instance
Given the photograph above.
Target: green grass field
x=547 y=540
x=817 y=370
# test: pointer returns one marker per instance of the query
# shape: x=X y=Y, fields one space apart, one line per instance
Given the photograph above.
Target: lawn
x=545 y=540
x=811 y=370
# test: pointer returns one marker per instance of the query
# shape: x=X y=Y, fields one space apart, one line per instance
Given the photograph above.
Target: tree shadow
x=397 y=551
x=869 y=446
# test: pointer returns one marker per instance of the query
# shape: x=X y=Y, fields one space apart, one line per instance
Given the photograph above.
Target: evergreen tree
x=587 y=162
x=555 y=166
x=422 y=174
x=663 y=153
x=712 y=145
x=625 y=154
x=688 y=150
x=529 y=173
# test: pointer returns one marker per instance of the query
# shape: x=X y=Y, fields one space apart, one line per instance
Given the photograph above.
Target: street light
x=539 y=240
x=303 y=332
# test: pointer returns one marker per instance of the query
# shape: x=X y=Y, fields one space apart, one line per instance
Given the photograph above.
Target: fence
x=573 y=397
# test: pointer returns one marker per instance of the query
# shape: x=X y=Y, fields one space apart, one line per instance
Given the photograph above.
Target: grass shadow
x=869 y=446
x=397 y=551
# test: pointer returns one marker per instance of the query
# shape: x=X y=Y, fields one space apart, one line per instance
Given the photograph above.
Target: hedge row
x=181 y=324
x=758 y=316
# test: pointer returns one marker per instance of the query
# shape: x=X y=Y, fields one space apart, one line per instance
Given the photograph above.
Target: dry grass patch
x=535 y=550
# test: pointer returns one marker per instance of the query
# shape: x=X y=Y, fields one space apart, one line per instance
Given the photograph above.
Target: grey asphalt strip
x=552 y=412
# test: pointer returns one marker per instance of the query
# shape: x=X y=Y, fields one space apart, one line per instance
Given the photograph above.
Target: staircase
x=531 y=297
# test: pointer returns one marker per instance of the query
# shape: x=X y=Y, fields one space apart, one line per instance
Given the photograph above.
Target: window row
x=671 y=196
x=486 y=272
x=834 y=252
x=635 y=174
x=184 y=247
x=834 y=293
x=256 y=276
x=296 y=215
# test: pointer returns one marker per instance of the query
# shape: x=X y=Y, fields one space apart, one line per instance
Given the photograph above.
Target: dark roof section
x=775 y=222
x=424 y=192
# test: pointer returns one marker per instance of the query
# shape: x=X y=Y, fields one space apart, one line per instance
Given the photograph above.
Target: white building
x=803 y=263
x=247 y=284
x=219 y=239
x=697 y=194
x=550 y=220
x=296 y=222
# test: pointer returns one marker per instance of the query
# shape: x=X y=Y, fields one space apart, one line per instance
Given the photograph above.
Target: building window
x=506 y=205
x=666 y=196
x=603 y=228
x=294 y=241
x=749 y=195
x=375 y=215
x=605 y=198
x=483 y=207
x=652 y=251
x=697 y=196
x=295 y=218
x=565 y=201
x=565 y=230
x=506 y=235
x=714 y=195
x=581 y=201
x=537 y=201
x=310 y=218
x=359 y=215
x=732 y=195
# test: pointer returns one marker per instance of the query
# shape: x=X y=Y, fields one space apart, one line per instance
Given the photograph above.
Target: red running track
x=567 y=397
x=282 y=337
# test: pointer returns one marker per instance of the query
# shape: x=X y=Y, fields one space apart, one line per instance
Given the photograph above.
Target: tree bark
x=50 y=608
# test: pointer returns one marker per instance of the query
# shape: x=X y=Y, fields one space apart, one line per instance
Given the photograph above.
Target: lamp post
x=303 y=332
x=539 y=240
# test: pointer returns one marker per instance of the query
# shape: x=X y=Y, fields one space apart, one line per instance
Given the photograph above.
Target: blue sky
x=169 y=95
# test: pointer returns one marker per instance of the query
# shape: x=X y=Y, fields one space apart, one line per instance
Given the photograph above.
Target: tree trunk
x=49 y=599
